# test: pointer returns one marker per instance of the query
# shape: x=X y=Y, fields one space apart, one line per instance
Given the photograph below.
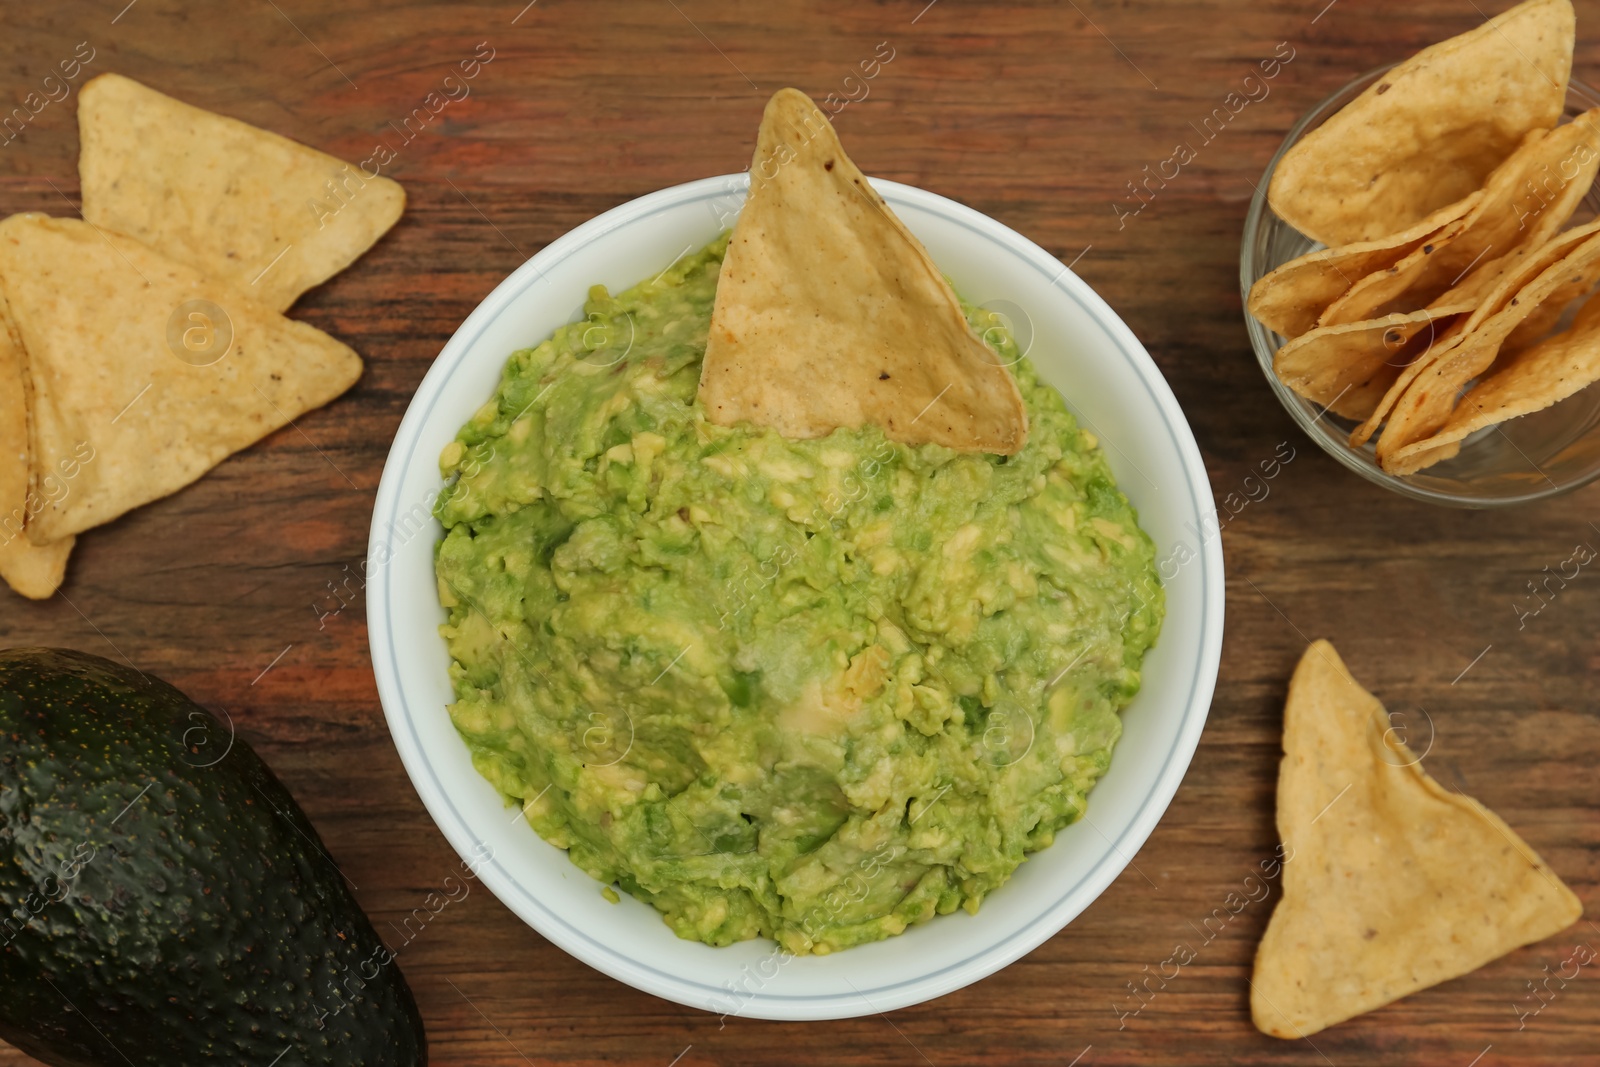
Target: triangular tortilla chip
x=1543 y=318
x=259 y=211
x=1427 y=402
x=96 y=314
x=1290 y=299
x=1531 y=381
x=1380 y=291
x=1498 y=289
x=1430 y=130
x=1348 y=368
x=1393 y=883
x=1527 y=199
x=35 y=571
x=830 y=313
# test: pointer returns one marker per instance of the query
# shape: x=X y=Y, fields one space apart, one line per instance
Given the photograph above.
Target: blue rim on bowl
x=1094 y=358
x=1541 y=455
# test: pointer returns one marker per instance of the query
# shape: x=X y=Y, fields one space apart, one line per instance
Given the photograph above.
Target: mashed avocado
x=809 y=690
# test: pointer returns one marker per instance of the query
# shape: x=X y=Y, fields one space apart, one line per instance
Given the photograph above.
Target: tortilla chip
x=1533 y=380
x=95 y=312
x=259 y=211
x=1499 y=289
x=1290 y=299
x=1393 y=883
x=1526 y=200
x=1349 y=367
x=1430 y=130
x=1490 y=278
x=1375 y=294
x=1427 y=403
x=1542 y=319
x=1436 y=453
x=32 y=570
x=830 y=313
x=1553 y=191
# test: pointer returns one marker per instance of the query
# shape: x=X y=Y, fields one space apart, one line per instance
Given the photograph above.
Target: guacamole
x=811 y=690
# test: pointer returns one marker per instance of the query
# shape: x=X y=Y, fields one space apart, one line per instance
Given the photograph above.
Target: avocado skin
x=163 y=899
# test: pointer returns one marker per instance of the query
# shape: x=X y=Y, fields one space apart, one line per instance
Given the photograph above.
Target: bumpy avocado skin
x=163 y=899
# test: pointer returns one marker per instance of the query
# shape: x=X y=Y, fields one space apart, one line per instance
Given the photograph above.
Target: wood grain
x=1038 y=114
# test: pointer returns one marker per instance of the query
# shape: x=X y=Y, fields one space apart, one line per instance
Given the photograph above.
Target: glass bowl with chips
x=1537 y=455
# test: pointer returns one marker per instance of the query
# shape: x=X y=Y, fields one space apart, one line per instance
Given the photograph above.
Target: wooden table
x=1038 y=114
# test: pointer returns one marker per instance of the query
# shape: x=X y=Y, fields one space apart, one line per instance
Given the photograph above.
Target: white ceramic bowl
x=1108 y=379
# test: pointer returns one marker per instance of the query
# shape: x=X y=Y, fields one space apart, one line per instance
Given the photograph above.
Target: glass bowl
x=1529 y=458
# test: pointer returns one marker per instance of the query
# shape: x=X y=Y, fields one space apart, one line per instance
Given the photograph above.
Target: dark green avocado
x=163 y=899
